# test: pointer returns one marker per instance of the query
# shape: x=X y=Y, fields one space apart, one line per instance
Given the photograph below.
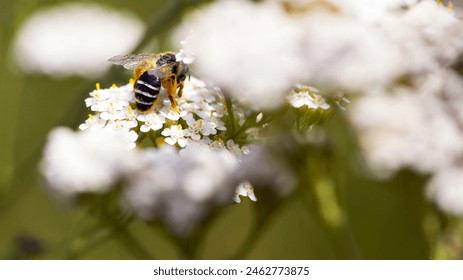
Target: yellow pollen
x=111 y=103
x=131 y=81
x=450 y=6
x=97 y=86
x=90 y=116
x=179 y=126
x=200 y=123
x=129 y=110
x=113 y=86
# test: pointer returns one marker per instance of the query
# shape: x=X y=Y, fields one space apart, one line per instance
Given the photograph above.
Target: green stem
x=127 y=239
x=250 y=122
x=340 y=235
x=256 y=232
x=264 y=213
x=108 y=226
x=231 y=116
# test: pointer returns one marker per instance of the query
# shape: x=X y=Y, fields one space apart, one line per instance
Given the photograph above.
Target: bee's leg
x=173 y=103
x=180 y=89
x=170 y=85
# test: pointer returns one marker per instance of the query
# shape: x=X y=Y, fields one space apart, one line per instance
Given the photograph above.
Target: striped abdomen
x=146 y=91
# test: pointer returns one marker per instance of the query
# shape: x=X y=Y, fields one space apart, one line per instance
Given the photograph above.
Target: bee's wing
x=161 y=71
x=130 y=61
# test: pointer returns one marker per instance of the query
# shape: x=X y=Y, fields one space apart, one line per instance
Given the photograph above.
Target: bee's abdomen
x=146 y=91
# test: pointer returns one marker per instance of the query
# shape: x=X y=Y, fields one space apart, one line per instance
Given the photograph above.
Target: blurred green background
x=384 y=220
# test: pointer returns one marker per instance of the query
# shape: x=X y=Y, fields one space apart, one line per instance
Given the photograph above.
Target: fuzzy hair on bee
x=151 y=72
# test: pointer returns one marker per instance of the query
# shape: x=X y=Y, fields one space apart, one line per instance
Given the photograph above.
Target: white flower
x=151 y=121
x=244 y=189
x=194 y=127
x=201 y=107
x=175 y=134
x=111 y=99
x=236 y=150
x=113 y=112
x=249 y=50
x=259 y=117
x=93 y=121
x=338 y=98
x=407 y=129
x=123 y=128
x=86 y=161
x=346 y=48
x=180 y=187
x=75 y=39
x=446 y=189
x=211 y=167
x=307 y=96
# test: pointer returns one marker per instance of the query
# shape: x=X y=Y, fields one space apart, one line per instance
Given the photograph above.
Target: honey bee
x=151 y=71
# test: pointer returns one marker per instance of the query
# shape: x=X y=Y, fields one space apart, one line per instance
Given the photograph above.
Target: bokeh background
x=387 y=219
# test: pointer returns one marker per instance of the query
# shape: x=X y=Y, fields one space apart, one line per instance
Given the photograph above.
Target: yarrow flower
x=112 y=112
x=84 y=162
x=251 y=128
x=161 y=182
x=307 y=96
x=246 y=50
x=74 y=39
x=180 y=187
x=446 y=189
x=175 y=134
x=244 y=189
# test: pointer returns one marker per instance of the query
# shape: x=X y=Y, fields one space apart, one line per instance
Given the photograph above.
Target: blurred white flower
x=249 y=50
x=257 y=51
x=367 y=45
x=75 y=39
x=373 y=10
x=180 y=187
x=185 y=57
x=446 y=189
x=85 y=161
x=407 y=129
x=239 y=151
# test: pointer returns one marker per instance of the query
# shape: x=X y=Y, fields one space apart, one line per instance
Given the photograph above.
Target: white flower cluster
x=88 y=161
x=179 y=187
x=245 y=49
x=201 y=110
x=74 y=39
x=418 y=127
x=157 y=182
x=258 y=51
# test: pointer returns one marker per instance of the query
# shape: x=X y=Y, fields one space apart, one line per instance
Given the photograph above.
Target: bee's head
x=166 y=58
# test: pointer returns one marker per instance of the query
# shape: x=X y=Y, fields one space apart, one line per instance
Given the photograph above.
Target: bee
x=151 y=71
